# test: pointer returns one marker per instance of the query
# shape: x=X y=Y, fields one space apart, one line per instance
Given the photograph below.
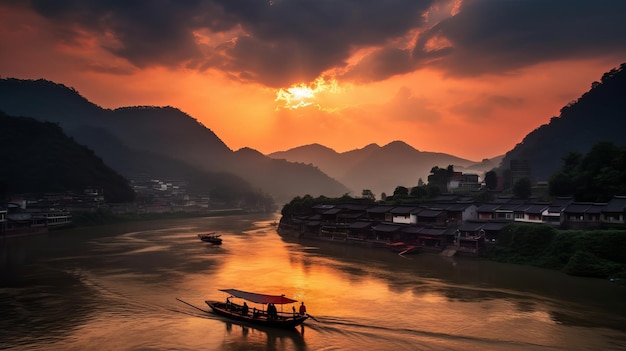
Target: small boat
x=263 y=316
x=212 y=238
x=403 y=248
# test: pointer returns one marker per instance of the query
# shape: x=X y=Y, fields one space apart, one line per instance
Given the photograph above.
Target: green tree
x=522 y=188
x=439 y=177
x=400 y=192
x=367 y=194
x=419 y=192
x=596 y=176
x=491 y=180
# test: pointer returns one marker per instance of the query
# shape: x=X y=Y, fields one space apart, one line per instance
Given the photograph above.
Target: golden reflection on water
x=361 y=299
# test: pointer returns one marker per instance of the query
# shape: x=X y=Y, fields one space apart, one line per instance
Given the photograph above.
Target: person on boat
x=272 y=313
x=244 y=309
x=302 y=309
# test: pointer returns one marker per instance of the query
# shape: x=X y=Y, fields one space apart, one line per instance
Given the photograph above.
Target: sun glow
x=303 y=95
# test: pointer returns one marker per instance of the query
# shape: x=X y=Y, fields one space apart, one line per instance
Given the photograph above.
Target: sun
x=302 y=95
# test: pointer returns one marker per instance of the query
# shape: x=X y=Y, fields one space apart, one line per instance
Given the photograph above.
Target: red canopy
x=259 y=298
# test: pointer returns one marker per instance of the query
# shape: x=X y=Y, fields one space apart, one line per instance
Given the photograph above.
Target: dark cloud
x=283 y=40
x=280 y=42
x=495 y=36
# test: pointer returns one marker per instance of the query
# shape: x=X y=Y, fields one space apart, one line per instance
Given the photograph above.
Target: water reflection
x=117 y=286
x=247 y=337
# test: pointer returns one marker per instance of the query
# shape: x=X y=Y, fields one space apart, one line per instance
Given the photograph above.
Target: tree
x=491 y=180
x=596 y=176
x=400 y=191
x=367 y=194
x=522 y=188
x=419 y=192
x=439 y=177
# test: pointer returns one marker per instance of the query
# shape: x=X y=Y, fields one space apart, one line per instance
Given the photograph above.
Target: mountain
x=380 y=169
x=145 y=139
x=598 y=115
x=38 y=157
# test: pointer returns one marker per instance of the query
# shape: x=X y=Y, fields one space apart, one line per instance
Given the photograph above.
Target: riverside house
x=456 y=223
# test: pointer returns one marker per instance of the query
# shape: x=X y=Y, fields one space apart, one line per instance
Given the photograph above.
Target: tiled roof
x=432 y=231
x=402 y=210
x=387 y=228
x=359 y=225
x=332 y=211
x=379 y=209
x=616 y=204
x=488 y=207
x=429 y=213
x=471 y=226
x=536 y=209
x=494 y=225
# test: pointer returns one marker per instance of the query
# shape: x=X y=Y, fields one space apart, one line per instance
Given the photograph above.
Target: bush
x=586 y=264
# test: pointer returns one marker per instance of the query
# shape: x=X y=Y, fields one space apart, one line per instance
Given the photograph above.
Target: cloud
x=278 y=43
x=497 y=36
x=406 y=107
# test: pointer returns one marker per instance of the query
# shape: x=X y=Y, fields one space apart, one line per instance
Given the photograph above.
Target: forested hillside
x=37 y=157
x=597 y=116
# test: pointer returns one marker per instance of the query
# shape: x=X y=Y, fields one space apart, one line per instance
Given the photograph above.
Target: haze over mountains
x=381 y=168
x=164 y=142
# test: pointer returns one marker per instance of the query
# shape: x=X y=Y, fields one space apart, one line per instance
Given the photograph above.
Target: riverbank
x=594 y=254
x=103 y=218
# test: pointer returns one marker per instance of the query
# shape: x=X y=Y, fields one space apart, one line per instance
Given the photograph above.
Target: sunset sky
x=468 y=78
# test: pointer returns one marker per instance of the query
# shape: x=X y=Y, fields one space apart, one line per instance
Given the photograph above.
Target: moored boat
x=404 y=248
x=265 y=316
x=212 y=238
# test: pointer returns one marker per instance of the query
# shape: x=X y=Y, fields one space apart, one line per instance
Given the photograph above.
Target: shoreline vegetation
x=585 y=253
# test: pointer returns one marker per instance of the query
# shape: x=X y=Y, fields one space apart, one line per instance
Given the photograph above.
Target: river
x=117 y=287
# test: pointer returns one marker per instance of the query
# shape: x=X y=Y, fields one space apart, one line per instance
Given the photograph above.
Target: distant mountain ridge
x=155 y=139
x=166 y=140
x=381 y=169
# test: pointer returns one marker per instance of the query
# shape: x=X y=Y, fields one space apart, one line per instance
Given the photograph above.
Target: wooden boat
x=212 y=238
x=403 y=248
x=254 y=315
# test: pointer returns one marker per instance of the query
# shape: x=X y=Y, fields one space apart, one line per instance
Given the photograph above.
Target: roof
x=494 y=226
x=402 y=210
x=432 y=231
x=488 y=207
x=471 y=226
x=412 y=229
x=379 y=209
x=259 y=298
x=332 y=211
x=323 y=206
x=536 y=209
x=429 y=213
x=616 y=204
x=458 y=206
x=387 y=228
x=583 y=207
x=359 y=225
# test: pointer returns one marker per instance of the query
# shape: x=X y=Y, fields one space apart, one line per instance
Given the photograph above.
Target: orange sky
x=467 y=78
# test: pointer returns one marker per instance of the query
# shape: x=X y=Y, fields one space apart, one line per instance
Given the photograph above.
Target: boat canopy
x=259 y=298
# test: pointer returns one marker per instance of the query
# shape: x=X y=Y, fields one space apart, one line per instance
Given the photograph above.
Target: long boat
x=260 y=316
